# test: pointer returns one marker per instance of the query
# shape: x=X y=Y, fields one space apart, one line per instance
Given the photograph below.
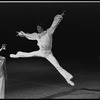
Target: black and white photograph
x=49 y=50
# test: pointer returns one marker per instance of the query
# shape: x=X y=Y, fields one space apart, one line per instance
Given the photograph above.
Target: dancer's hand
x=21 y=34
x=59 y=16
x=4 y=46
x=63 y=13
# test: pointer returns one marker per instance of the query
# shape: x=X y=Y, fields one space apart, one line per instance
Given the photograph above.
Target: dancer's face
x=39 y=29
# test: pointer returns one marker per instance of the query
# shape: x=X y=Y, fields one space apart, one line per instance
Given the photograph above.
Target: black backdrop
x=76 y=36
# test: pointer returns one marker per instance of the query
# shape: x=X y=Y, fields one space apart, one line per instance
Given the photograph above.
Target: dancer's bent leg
x=62 y=71
x=25 y=54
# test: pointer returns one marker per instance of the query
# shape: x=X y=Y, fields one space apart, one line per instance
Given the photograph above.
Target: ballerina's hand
x=4 y=46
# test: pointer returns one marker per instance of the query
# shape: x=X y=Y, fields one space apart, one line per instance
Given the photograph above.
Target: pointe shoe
x=13 y=56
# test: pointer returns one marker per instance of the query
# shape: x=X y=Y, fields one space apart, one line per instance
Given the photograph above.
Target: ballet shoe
x=13 y=56
x=70 y=82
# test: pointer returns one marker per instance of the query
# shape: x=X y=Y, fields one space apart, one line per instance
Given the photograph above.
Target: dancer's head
x=39 y=29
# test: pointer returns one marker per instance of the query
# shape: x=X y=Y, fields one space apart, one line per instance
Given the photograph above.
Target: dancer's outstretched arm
x=32 y=36
x=56 y=21
x=0 y=49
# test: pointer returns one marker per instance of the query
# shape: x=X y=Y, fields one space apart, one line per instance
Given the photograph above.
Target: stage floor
x=41 y=80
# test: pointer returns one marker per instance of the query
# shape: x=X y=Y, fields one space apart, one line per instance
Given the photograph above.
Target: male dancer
x=44 y=39
x=2 y=73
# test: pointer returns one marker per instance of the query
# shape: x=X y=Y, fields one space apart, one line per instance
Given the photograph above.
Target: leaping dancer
x=44 y=41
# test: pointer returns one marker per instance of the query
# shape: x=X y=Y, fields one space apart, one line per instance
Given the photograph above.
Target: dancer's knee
x=20 y=53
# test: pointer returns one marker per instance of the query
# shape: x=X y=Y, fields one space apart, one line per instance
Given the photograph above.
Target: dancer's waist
x=46 y=51
x=46 y=48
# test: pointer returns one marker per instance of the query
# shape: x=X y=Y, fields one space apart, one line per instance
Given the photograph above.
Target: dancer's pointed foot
x=68 y=79
x=13 y=56
x=70 y=82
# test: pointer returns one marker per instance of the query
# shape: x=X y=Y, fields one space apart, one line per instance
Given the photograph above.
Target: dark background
x=76 y=38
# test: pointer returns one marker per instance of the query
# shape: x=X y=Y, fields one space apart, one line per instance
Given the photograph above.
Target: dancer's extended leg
x=63 y=72
x=25 y=54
